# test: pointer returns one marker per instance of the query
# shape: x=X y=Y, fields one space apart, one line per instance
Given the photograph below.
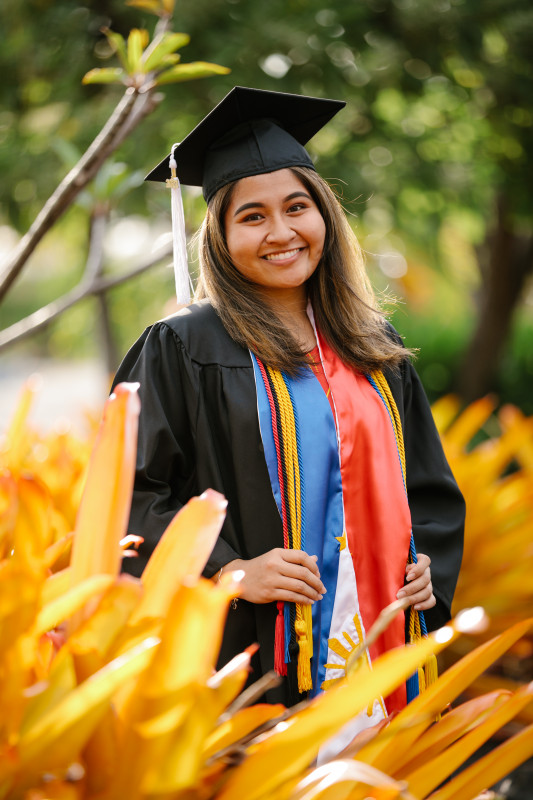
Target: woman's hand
x=418 y=588
x=287 y=575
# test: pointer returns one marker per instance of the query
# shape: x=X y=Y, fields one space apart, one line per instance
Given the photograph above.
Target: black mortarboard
x=251 y=131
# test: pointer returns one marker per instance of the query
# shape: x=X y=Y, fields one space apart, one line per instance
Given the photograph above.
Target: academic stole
x=286 y=432
x=293 y=621
x=427 y=674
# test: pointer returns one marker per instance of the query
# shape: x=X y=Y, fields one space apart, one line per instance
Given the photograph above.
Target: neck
x=291 y=310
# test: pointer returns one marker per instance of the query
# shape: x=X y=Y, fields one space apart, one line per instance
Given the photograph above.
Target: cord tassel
x=279 y=641
x=304 y=660
x=308 y=619
x=431 y=671
x=179 y=238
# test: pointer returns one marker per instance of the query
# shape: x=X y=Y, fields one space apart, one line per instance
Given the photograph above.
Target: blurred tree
x=437 y=132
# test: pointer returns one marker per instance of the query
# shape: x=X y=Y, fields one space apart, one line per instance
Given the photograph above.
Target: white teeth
x=282 y=256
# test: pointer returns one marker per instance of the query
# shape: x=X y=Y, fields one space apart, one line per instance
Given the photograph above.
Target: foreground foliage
x=108 y=686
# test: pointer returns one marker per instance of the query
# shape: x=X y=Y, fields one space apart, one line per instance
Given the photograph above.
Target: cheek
x=234 y=245
x=320 y=233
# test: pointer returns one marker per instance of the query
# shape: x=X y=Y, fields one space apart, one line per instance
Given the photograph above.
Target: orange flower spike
x=444 y=411
x=8 y=512
x=390 y=752
x=229 y=681
x=16 y=437
x=105 y=504
x=241 y=724
x=451 y=727
x=468 y=423
x=178 y=555
x=31 y=533
x=293 y=744
x=430 y=774
x=98 y=633
x=194 y=625
x=488 y=770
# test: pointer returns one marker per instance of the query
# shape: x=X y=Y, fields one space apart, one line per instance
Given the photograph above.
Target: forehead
x=267 y=187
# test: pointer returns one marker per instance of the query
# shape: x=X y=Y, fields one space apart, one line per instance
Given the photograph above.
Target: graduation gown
x=199 y=429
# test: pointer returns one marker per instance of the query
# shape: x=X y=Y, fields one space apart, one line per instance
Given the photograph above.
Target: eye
x=297 y=207
x=253 y=217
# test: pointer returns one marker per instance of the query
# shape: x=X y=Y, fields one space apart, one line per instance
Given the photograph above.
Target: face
x=275 y=232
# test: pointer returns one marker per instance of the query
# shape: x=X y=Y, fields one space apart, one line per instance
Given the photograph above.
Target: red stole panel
x=377 y=516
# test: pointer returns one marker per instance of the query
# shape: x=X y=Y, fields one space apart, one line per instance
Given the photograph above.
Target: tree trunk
x=505 y=265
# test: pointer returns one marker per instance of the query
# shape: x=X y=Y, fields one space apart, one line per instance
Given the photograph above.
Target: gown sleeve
x=165 y=476
x=436 y=503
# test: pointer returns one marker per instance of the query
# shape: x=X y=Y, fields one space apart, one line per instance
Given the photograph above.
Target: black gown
x=199 y=429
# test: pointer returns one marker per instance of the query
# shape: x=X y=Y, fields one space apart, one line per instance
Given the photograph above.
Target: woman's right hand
x=279 y=574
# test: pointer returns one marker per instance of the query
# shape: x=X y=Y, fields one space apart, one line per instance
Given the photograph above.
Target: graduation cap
x=250 y=132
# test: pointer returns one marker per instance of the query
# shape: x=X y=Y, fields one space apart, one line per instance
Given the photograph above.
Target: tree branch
x=86 y=287
x=129 y=112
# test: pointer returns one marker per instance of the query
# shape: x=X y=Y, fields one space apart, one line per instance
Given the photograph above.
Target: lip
x=282 y=256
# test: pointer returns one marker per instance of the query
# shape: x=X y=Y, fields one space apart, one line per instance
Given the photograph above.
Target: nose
x=280 y=229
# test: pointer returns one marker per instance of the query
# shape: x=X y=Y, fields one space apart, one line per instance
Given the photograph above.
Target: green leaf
x=105 y=75
x=169 y=42
x=189 y=72
x=137 y=41
x=118 y=44
x=152 y=6
x=170 y=60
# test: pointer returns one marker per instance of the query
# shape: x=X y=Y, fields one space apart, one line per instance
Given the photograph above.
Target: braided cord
x=417 y=622
x=286 y=432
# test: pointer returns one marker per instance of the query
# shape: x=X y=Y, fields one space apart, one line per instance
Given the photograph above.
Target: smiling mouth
x=282 y=256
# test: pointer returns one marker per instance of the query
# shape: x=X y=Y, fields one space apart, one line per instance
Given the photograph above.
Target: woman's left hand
x=418 y=588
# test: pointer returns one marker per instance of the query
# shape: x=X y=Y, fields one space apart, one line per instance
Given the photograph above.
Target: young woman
x=284 y=388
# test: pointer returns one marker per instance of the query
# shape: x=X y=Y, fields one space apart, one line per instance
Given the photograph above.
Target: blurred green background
x=433 y=158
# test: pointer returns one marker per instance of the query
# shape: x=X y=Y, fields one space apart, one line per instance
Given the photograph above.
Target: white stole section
x=345 y=630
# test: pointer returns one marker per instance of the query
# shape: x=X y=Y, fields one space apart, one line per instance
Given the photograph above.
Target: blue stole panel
x=324 y=513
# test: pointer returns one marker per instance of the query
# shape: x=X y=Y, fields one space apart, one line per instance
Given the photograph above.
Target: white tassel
x=179 y=239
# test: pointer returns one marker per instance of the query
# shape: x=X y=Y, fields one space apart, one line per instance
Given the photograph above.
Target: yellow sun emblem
x=344 y=650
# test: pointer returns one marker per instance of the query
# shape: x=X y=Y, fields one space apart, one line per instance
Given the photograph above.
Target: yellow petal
x=16 y=433
x=229 y=681
x=347 y=779
x=432 y=773
x=451 y=727
x=56 y=585
x=69 y=603
x=179 y=553
x=99 y=631
x=471 y=420
x=489 y=769
x=190 y=637
x=293 y=744
x=61 y=680
x=31 y=534
x=105 y=505
x=444 y=411
x=388 y=753
x=57 y=737
x=240 y=725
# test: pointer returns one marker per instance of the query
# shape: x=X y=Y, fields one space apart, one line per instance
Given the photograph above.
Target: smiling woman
x=275 y=238
x=283 y=387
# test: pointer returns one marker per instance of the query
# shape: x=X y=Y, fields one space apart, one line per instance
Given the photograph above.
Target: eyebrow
x=262 y=205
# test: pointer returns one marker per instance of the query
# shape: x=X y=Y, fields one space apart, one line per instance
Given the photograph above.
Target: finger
x=423 y=562
x=421 y=597
x=301 y=557
x=297 y=572
x=287 y=596
x=300 y=587
x=427 y=604
x=415 y=586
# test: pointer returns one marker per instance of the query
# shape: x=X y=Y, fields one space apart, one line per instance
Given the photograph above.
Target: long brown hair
x=344 y=305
